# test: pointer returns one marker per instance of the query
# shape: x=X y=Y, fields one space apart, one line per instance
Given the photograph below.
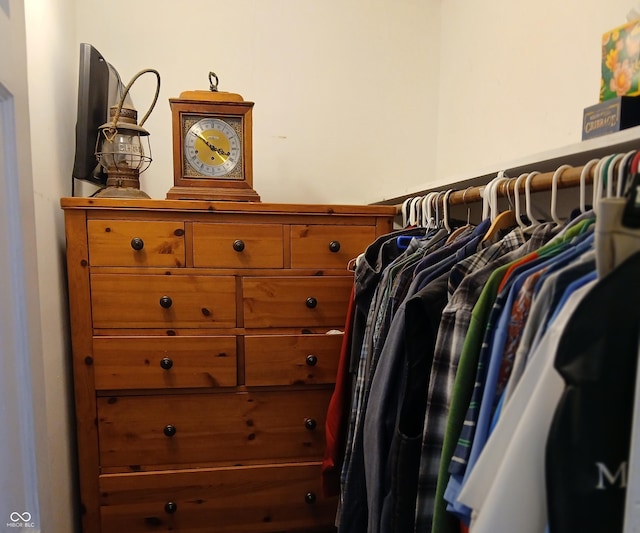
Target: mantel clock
x=212 y=146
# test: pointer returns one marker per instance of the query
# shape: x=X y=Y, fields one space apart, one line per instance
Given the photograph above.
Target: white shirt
x=506 y=488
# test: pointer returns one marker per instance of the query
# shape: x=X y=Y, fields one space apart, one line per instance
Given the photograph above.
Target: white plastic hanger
x=554 y=193
x=599 y=176
x=583 y=183
x=486 y=198
x=610 y=171
x=439 y=218
x=527 y=196
x=498 y=181
x=413 y=212
x=597 y=184
x=499 y=220
x=425 y=214
x=488 y=205
x=405 y=212
x=445 y=209
x=516 y=190
x=428 y=203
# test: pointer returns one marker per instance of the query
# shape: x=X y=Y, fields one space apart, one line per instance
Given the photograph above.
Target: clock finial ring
x=213 y=86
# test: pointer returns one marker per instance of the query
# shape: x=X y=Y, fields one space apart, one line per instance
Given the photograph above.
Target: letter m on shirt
x=606 y=479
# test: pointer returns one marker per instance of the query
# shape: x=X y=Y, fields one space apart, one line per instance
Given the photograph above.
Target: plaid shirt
x=352 y=512
x=464 y=291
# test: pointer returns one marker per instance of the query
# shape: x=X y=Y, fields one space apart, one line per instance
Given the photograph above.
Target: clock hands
x=212 y=147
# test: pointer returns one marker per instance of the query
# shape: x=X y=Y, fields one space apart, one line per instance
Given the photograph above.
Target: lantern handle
x=126 y=91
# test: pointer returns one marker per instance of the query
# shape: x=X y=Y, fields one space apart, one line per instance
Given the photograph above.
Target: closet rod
x=540 y=182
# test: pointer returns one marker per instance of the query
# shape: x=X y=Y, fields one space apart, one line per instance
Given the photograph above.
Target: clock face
x=212 y=147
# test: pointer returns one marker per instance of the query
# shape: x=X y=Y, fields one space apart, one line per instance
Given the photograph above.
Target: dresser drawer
x=226 y=500
x=238 y=245
x=291 y=359
x=229 y=429
x=159 y=301
x=296 y=301
x=320 y=246
x=128 y=243
x=164 y=362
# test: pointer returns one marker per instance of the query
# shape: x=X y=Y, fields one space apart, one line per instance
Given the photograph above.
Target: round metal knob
x=170 y=507
x=238 y=245
x=166 y=363
x=310 y=424
x=169 y=430
x=310 y=497
x=311 y=302
x=312 y=360
x=166 y=302
x=334 y=246
x=137 y=243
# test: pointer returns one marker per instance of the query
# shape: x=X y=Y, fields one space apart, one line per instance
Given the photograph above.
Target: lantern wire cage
x=119 y=147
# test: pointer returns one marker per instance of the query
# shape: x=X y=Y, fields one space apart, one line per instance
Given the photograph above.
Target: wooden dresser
x=205 y=341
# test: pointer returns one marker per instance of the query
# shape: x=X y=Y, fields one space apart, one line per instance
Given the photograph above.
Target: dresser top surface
x=203 y=206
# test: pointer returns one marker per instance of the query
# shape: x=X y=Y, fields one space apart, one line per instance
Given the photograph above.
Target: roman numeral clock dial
x=212 y=147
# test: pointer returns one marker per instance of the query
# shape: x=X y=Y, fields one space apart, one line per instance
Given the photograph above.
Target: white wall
x=344 y=92
x=515 y=78
x=52 y=76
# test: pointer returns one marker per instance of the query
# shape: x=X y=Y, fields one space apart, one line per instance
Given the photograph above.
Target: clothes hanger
x=583 y=183
x=486 y=197
x=597 y=184
x=631 y=214
x=427 y=211
x=629 y=173
x=433 y=223
x=445 y=209
x=499 y=220
x=413 y=216
x=493 y=195
x=405 y=212
x=488 y=206
x=635 y=162
x=439 y=219
x=516 y=190
x=623 y=173
x=600 y=176
x=610 y=171
x=527 y=197
x=456 y=232
x=554 y=193
x=424 y=214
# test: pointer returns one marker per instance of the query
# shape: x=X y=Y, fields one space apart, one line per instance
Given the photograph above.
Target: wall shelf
x=574 y=155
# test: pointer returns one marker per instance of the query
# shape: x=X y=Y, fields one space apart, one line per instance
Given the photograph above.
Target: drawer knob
x=310 y=497
x=312 y=360
x=166 y=302
x=166 y=363
x=170 y=507
x=310 y=424
x=311 y=302
x=238 y=245
x=334 y=246
x=169 y=430
x=137 y=243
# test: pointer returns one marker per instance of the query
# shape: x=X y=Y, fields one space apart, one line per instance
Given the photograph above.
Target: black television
x=99 y=87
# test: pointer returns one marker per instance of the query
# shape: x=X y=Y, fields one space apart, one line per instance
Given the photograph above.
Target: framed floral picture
x=621 y=61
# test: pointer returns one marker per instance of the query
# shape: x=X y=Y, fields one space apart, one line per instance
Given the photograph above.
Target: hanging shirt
x=506 y=487
x=389 y=377
x=451 y=336
x=597 y=359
